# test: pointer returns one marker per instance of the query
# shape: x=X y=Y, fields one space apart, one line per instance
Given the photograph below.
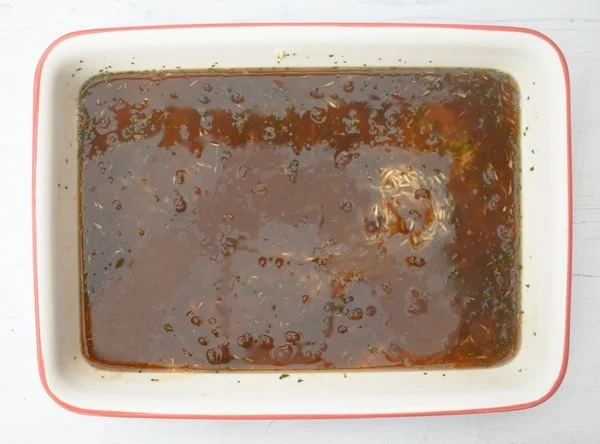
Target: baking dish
x=529 y=378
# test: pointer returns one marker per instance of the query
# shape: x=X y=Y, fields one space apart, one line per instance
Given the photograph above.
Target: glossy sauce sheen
x=309 y=219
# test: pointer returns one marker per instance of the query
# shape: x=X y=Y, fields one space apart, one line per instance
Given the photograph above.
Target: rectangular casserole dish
x=531 y=377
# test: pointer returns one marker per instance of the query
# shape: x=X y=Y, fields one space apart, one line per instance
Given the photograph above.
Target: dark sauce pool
x=308 y=219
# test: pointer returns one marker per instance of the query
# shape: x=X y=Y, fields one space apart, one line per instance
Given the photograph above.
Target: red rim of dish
x=114 y=413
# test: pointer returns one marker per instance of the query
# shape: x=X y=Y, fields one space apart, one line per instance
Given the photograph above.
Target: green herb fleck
x=283 y=376
x=455 y=272
x=300 y=380
x=154 y=379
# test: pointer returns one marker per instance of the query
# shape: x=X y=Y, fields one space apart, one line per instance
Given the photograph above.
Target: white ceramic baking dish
x=531 y=377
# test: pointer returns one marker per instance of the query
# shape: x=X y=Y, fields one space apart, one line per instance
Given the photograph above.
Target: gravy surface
x=308 y=219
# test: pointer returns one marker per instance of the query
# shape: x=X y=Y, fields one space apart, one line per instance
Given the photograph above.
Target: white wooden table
x=28 y=415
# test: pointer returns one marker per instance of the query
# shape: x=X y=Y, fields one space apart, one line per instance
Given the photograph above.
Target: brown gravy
x=309 y=219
